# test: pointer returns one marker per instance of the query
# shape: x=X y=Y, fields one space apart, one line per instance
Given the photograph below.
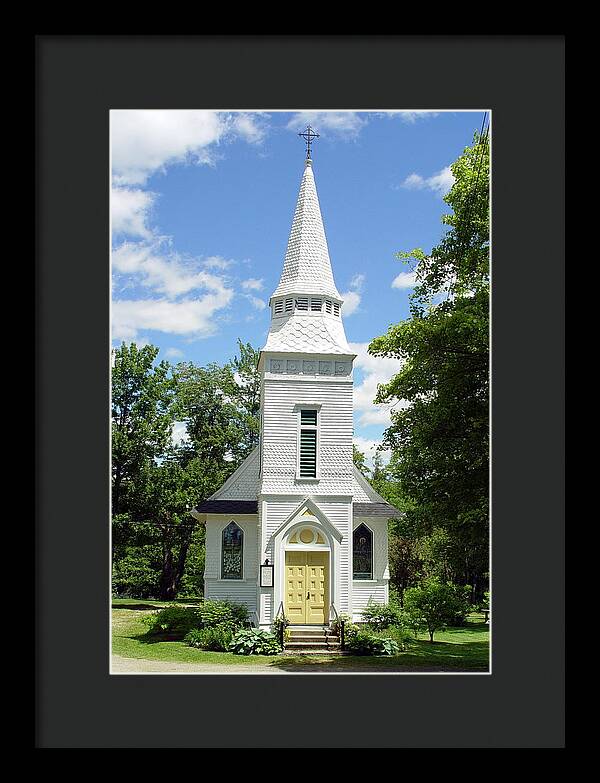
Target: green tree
x=359 y=460
x=440 y=441
x=142 y=416
x=247 y=396
x=436 y=605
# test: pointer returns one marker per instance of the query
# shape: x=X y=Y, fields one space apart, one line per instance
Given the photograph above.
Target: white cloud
x=251 y=127
x=130 y=211
x=163 y=270
x=439 y=183
x=375 y=370
x=147 y=141
x=344 y=124
x=414 y=115
x=257 y=303
x=405 y=280
x=252 y=284
x=351 y=303
x=179 y=433
x=369 y=447
x=216 y=262
x=174 y=353
x=193 y=317
x=352 y=297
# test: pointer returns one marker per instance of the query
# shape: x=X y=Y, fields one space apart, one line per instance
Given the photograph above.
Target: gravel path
x=142 y=666
x=122 y=665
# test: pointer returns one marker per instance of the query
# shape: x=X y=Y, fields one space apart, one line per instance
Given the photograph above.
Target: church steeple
x=307 y=268
x=306 y=306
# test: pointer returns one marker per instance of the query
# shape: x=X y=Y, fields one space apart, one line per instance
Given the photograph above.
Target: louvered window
x=316 y=304
x=308 y=443
x=328 y=306
x=278 y=307
x=336 y=308
x=302 y=304
x=289 y=305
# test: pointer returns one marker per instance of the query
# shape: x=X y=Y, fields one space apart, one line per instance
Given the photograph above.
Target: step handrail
x=341 y=623
x=281 y=627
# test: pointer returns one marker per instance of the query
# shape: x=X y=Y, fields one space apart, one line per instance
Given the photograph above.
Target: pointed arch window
x=232 y=552
x=362 y=553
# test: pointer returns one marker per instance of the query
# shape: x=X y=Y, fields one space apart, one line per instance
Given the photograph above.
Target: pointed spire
x=307 y=268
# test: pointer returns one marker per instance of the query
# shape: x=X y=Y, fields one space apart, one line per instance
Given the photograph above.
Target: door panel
x=307 y=588
x=295 y=587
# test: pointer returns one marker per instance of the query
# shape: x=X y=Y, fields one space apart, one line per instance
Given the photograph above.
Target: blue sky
x=202 y=205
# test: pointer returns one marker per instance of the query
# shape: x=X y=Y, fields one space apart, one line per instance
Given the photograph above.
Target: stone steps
x=312 y=641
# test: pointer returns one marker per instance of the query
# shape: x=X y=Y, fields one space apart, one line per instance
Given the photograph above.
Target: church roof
x=308 y=334
x=239 y=494
x=307 y=268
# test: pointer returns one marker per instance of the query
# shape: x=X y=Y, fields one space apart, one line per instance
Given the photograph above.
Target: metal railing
x=340 y=623
x=282 y=624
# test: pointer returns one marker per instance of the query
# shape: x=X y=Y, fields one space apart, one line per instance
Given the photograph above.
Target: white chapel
x=297 y=528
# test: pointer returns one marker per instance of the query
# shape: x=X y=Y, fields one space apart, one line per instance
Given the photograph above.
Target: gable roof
x=239 y=494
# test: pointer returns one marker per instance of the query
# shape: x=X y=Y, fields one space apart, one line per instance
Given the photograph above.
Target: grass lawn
x=455 y=649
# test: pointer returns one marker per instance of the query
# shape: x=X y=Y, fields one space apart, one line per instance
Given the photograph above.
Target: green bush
x=216 y=637
x=173 y=620
x=389 y=646
x=254 y=641
x=365 y=642
x=435 y=605
x=335 y=625
x=223 y=612
x=400 y=634
x=381 y=616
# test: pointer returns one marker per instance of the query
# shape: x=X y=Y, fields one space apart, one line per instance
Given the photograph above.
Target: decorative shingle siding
x=307 y=268
x=308 y=333
x=243 y=484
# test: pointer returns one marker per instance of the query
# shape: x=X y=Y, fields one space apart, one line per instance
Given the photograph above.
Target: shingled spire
x=307 y=268
x=306 y=306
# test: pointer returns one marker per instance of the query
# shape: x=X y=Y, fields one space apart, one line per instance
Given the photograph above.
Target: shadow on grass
x=145 y=606
x=420 y=656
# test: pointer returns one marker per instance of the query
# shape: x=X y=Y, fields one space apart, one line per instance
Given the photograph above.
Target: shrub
x=173 y=620
x=223 y=612
x=337 y=622
x=400 y=634
x=254 y=641
x=362 y=642
x=216 y=637
x=389 y=646
x=435 y=605
x=369 y=643
x=381 y=616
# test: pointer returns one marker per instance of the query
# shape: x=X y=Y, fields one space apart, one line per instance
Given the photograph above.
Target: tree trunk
x=431 y=636
x=168 y=589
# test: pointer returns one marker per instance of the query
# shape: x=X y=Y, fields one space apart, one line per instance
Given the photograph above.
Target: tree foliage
x=440 y=441
x=156 y=483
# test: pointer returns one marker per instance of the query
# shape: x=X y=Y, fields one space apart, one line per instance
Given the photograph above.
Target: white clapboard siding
x=239 y=590
x=280 y=436
x=375 y=590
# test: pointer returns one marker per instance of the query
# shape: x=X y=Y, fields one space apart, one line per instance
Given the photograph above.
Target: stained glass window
x=232 y=552
x=362 y=561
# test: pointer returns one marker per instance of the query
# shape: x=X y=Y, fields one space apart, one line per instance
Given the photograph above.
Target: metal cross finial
x=308 y=136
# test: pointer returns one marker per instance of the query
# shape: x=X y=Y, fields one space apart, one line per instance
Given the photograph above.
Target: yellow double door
x=307 y=587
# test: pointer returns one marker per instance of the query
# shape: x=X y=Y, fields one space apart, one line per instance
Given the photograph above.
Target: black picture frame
x=79 y=78
x=267 y=575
